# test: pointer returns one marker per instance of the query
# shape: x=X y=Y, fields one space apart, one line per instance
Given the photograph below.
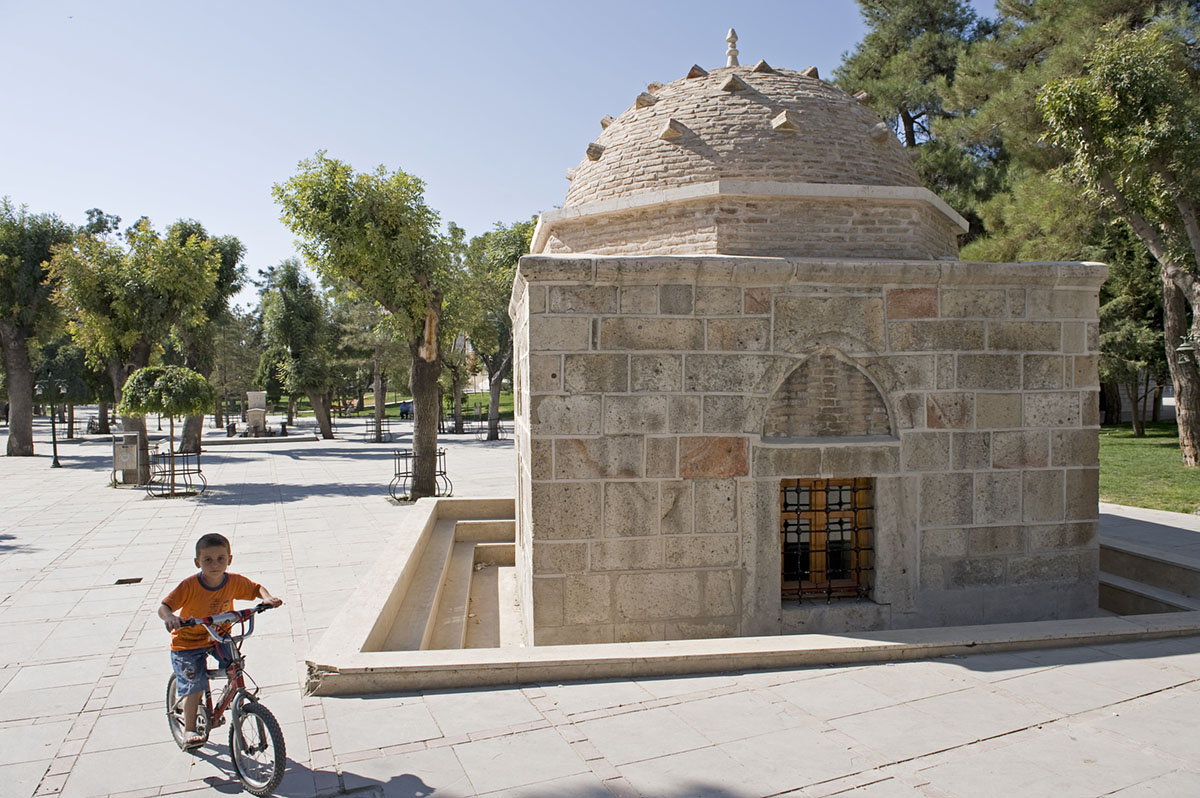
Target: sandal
x=193 y=739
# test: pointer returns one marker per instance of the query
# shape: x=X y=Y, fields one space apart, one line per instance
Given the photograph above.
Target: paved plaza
x=83 y=667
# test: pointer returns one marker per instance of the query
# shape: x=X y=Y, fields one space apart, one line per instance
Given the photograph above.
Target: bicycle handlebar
x=228 y=617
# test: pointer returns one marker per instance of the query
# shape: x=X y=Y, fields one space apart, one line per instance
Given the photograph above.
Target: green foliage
x=1131 y=128
x=1038 y=219
x=236 y=343
x=197 y=336
x=123 y=298
x=26 y=246
x=1131 y=314
x=64 y=376
x=373 y=229
x=908 y=59
x=296 y=322
x=167 y=390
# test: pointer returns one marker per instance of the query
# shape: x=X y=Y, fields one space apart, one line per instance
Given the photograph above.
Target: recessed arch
x=827 y=397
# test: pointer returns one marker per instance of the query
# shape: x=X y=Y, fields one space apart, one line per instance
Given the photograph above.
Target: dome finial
x=732 y=53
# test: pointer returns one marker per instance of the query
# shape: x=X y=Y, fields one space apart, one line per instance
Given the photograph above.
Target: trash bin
x=230 y=429
x=283 y=428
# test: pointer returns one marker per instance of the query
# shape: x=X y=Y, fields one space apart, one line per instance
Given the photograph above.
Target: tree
x=1131 y=125
x=297 y=321
x=124 y=298
x=491 y=265
x=165 y=390
x=26 y=246
x=237 y=341
x=375 y=230
x=367 y=347
x=199 y=338
x=907 y=59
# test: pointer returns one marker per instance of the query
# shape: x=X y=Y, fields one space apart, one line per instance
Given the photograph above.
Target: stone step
x=1174 y=573
x=487 y=530
x=450 y=615
x=1125 y=596
x=412 y=628
x=496 y=553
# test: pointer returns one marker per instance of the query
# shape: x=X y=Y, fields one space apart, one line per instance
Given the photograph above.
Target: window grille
x=825 y=537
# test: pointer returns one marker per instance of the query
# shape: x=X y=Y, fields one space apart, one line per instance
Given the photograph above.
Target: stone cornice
x=747 y=271
x=761 y=190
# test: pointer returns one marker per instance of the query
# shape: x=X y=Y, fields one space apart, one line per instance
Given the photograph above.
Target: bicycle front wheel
x=257 y=749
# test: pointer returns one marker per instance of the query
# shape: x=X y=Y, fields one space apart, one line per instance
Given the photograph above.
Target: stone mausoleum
x=758 y=393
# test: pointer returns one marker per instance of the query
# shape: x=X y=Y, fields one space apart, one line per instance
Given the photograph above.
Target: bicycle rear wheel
x=175 y=717
x=257 y=749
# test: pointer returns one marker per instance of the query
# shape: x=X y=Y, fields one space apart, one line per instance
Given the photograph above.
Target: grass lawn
x=1146 y=472
x=393 y=408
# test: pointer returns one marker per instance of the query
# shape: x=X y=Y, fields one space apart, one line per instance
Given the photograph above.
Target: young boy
x=210 y=592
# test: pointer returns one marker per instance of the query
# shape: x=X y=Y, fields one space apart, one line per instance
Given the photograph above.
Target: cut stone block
x=697 y=71
x=595 y=151
x=734 y=83
x=810 y=72
x=645 y=100
x=763 y=67
x=786 y=120
x=606 y=121
x=673 y=129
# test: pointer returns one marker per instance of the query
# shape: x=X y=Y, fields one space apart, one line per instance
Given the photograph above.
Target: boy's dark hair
x=211 y=541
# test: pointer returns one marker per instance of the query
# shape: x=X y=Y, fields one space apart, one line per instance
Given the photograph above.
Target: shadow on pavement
x=219 y=495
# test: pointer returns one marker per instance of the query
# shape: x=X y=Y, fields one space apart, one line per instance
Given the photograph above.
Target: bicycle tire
x=175 y=718
x=258 y=756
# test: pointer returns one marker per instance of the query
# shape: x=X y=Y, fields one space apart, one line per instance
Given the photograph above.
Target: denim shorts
x=190 y=666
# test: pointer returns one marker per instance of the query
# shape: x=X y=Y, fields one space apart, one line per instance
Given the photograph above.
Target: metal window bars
x=825 y=538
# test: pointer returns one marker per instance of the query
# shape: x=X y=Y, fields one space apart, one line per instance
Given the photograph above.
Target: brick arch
x=826 y=397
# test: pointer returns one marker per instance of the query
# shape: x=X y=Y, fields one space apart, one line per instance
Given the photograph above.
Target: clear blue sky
x=174 y=109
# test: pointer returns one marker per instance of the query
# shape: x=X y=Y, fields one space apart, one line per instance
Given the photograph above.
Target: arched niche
x=827 y=397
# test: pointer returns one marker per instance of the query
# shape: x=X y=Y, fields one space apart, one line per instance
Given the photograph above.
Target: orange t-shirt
x=192 y=599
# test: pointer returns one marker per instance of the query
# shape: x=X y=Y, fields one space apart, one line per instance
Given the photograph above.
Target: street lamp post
x=51 y=389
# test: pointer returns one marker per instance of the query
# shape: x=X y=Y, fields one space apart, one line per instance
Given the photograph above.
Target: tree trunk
x=102 y=427
x=320 y=406
x=139 y=357
x=171 y=451
x=1185 y=377
x=193 y=429
x=1132 y=389
x=910 y=133
x=1156 y=404
x=20 y=389
x=70 y=422
x=426 y=369
x=380 y=397
x=456 y=392
x=291 y=413
x=495 y=384
x=426 y=411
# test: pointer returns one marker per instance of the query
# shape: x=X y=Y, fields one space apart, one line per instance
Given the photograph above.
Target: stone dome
x=749 y=160
x=727 y=133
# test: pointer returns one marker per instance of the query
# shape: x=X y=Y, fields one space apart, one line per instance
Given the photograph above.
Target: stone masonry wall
x=764 y=227
x=649 y=494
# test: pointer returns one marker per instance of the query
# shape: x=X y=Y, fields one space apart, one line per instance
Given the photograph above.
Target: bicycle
x=256 y=744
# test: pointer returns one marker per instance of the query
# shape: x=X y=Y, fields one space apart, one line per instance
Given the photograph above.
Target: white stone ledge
x=351 y=672
x=747 y=271
x=748 y=189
